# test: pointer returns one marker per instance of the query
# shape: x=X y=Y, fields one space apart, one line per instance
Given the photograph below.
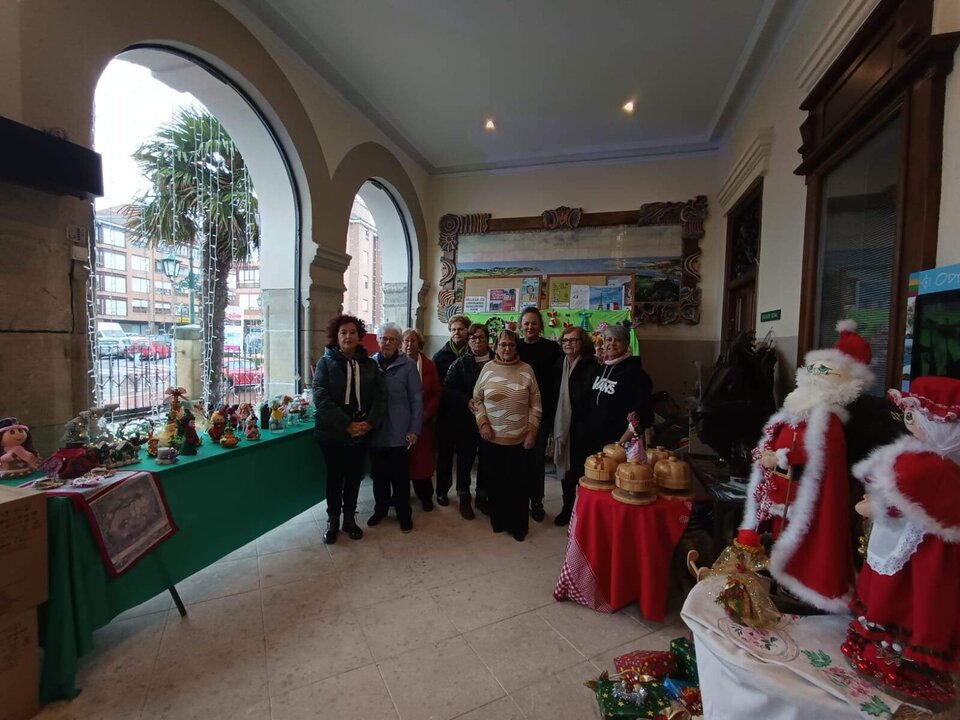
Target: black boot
x=536 y=510
x=466 y=510
x=482 y=504
x=351 y=528
x=564 y=517
x=333 y=529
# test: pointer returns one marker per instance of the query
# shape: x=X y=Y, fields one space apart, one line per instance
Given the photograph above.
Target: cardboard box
x=23 y=549
x=19 y=665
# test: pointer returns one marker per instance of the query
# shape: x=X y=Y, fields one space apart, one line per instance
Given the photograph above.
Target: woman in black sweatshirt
x=620 y=386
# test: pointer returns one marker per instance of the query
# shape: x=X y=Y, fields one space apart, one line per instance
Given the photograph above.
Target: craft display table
x=618 y=554
x=220 y=501
x=793 y=672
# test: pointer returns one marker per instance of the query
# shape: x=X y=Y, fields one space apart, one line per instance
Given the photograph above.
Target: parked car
x=239 y=372
x=112 y=341
x=149 y=349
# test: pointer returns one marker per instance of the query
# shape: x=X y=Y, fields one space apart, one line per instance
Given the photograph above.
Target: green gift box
x=616 y=703
x=682 y=648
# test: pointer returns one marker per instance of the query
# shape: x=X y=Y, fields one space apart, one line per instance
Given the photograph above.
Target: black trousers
x=468 y=447
x=446 y=446
x=536 y=469
x=579 y=451
x=344 y=472
x=390 y=469
x=505 y=468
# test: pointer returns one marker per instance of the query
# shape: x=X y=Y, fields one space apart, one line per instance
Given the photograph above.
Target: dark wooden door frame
x=893 y=67
x=754 y=191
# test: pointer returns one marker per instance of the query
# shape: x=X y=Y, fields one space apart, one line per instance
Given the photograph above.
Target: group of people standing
x=496 y=400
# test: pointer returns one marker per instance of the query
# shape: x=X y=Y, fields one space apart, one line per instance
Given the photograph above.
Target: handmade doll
x=252 y=432
x=17 y=456
x=217 y=424
x=190 y=439
x=229 y=438
x=800 y=487
x=906 y=631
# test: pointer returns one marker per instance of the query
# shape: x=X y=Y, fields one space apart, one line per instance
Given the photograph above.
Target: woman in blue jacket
x=350 y=397
x=390 y=448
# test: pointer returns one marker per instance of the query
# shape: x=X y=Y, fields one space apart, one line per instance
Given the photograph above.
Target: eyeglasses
x=479 y=337
x=570 y=341
x=820 y=369
x=507 y=345
x=389 y=339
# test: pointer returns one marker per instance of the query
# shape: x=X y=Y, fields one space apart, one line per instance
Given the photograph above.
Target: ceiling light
x=628 y=107
x=490 y=125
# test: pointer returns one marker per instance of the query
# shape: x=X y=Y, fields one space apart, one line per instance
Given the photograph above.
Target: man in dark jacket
x=458 y=386
x=446 y=435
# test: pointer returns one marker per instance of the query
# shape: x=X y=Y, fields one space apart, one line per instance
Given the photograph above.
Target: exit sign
x=770 y=315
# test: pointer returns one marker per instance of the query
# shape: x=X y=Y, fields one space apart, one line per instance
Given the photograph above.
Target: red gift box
x=656 y=664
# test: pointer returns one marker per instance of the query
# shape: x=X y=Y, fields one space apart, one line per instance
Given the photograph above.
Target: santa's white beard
x=818 y=390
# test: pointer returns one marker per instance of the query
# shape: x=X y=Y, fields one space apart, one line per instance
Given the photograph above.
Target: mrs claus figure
x=908 y=594
x=800 y=486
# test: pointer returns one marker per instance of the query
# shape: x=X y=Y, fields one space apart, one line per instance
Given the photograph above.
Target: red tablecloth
x=618 y=554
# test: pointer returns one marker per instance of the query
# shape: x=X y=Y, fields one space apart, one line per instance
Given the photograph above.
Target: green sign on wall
x=770 y=315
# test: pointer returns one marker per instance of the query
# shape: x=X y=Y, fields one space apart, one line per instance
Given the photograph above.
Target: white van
x=112 y=341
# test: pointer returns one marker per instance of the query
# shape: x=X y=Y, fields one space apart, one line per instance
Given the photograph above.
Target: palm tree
x=201 y=198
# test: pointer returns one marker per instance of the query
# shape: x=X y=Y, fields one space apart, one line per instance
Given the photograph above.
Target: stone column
x=325 y=300
x=188 y=348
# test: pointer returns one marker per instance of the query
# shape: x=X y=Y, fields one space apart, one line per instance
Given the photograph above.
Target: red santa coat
x=908 y=591
x=423 y=453
x=811 y=556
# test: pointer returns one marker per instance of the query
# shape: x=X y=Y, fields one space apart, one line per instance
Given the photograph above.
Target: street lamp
x=172 y=268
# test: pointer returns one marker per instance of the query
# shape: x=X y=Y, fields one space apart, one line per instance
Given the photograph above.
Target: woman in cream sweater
x=506 y=401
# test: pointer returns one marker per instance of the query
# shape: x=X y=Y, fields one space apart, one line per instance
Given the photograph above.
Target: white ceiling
x=553 y=73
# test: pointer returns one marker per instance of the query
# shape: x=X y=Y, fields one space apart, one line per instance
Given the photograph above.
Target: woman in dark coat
x=573 y=374
x=619 y=387
x=422 y=454
x=349 y=395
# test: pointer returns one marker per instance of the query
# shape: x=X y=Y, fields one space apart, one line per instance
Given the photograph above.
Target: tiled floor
x=450 y=621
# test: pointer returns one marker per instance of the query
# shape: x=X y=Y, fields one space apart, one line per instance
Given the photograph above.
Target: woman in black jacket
x=349 y=393
x=619 y=387
x=573 y=374
x=458 y=387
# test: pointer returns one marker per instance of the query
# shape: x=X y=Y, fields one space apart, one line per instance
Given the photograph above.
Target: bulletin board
x=500 y=293
x=558 y=290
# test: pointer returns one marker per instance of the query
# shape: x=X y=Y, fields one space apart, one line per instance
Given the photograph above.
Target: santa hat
x=936 y=398
x=851 y=352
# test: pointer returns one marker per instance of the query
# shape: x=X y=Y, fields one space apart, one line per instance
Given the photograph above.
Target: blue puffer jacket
x=404 y=403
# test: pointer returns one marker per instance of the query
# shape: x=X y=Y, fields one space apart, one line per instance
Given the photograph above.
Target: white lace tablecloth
x=793 y=672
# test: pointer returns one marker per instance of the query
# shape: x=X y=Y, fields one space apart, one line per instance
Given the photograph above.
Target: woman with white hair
x=402 y=424
x=619 y=387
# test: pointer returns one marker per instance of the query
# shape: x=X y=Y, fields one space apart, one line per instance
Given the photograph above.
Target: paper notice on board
x=560 y=294
x=475 y=304
x=530 y=292
x=502 y=300
x=579 y=297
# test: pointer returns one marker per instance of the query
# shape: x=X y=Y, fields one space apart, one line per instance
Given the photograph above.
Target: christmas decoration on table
x=674 y=478
x=217 y=424
x=153 y=444
x=229 y=438
x=17 y=456
x=746 y=595
x=682 y=649
x=136 y=430
x=244 y=410
x=168 y=436
x=618 y=699
x=654 y=664
x=265 y=416
x=190 y=439
x=686 y=692
x=304 y=408
x=199 y=411
x=232 y=415
x=277 y=417
x=799 y=484
x=906 y=632
x=174 y=397
x=166 y=455
x=252 y=431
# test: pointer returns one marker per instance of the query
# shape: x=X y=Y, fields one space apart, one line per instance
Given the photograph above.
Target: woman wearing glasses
x=459 y=384
x=572 y=376
x=618 y=388
x=507 y=404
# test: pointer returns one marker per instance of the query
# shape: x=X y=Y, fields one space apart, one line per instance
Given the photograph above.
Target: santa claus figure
x=907 y=598
x=799 y=486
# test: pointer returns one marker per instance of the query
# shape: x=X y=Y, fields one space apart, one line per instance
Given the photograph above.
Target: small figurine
x=217 y=424
x=229 y=439
x=174 y=396
x=168 y=436
x=166 y=456
x=200 y=417
x=243 y=412
x=17 y=456
x=153 y=443
x=190 y=440
x=276 y=417
x=74 y=433
x=231 y=415
x=265 y=416
x=252 y=431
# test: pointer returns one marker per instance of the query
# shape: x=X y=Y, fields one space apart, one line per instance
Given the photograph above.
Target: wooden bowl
x=635 y=477
x=673 y=474
x=657 y=454
x=617 y=452
x=600 y=467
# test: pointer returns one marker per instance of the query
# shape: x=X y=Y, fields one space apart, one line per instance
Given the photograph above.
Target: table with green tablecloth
x=590 y=318
x=220 y=501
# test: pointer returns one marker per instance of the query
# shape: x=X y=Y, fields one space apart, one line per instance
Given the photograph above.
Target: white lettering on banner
x=604 y=385
x=947 y=278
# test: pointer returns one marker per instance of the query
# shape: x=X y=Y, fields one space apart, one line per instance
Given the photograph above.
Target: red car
x=148 y=349
x=242 y=373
